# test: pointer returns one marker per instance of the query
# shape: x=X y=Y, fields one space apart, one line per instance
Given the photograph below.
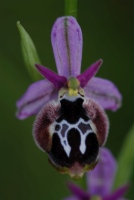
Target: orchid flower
x=71 y=123
x=99 y=181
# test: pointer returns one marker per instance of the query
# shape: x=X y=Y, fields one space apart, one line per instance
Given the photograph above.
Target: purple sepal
x=66 y=38
x=100 y=180
x=104 y=92
x=72 y=198
x=89 y=73
x=78 y=192
x=58 y=81
x=118 y=194
x=36 y=96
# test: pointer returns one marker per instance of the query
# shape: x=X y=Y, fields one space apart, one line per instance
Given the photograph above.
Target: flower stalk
x=71 y=8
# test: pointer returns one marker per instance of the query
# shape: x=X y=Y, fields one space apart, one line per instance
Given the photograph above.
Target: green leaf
x=125 y=160
x=29 y=53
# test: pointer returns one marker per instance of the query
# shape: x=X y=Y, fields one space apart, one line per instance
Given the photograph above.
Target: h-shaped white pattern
x=64 y=140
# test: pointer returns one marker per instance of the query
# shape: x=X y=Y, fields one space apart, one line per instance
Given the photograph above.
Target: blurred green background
x=108 y=33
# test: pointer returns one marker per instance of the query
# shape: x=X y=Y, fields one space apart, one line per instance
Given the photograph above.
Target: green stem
x=71 y=8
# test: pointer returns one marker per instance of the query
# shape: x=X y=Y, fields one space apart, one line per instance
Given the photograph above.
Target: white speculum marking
x=63 y=138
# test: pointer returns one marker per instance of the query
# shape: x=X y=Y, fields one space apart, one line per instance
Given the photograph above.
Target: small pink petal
x=89 y=73
x=58 y=81
x=117 y=194
x=78 y=191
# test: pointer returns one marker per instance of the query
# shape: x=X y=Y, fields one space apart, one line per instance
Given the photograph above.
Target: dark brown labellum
x=71 y=132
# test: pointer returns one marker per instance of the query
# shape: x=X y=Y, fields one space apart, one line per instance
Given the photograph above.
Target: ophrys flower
x=100 y=181
x=71 y=123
